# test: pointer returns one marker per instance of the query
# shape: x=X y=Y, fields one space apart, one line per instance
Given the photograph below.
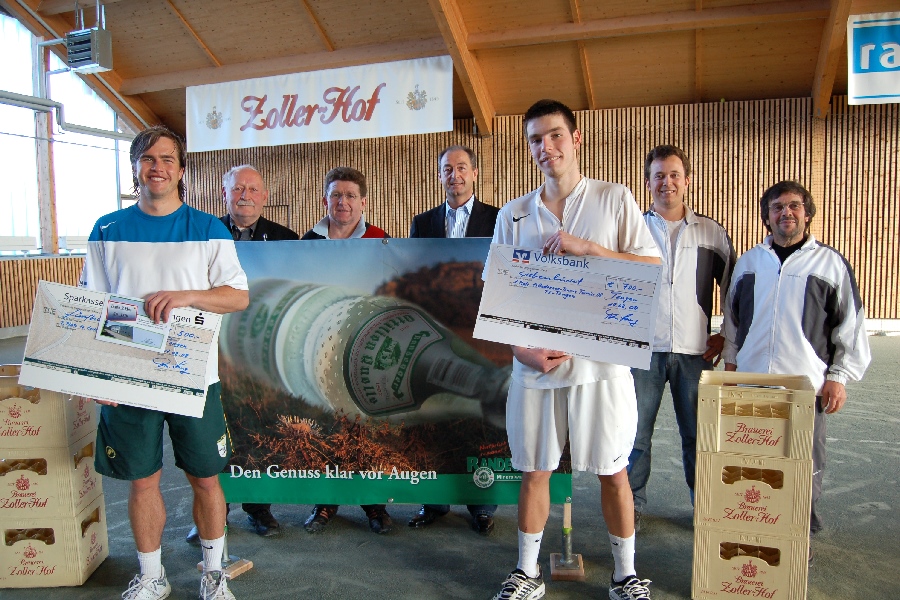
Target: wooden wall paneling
x=18 y=284
x=737 y=150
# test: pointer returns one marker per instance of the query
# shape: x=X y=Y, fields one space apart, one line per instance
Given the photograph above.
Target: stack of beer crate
x=52 y=515
x=753 y=486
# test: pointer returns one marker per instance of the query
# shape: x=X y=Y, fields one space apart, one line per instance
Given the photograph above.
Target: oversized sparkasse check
x=597 y=308
x=64 y=352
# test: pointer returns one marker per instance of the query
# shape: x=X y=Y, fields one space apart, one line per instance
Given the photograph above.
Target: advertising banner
x=353 y=377
x=873 y=58
x=396 y=98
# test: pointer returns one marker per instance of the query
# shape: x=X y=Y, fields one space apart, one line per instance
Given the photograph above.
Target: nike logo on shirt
x=517 y=219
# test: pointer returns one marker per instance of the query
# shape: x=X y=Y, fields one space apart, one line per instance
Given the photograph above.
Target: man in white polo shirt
x=552 y=393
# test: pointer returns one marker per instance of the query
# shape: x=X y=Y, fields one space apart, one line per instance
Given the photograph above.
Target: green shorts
x=130 y=440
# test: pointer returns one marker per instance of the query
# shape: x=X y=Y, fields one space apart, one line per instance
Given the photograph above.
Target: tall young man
x=553 y=394
x=172 y=256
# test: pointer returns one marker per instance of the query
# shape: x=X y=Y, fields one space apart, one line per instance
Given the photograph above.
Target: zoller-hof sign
x=397 y=98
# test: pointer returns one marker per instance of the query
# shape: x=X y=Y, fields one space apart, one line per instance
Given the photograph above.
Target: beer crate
x=732 y=564
x=753 y=494
x=32 y=417
x=53 y=551
x=756 y=414
x=48 y=482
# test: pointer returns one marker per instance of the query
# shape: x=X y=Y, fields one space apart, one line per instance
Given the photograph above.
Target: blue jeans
x=474 y=509
x=682 y=371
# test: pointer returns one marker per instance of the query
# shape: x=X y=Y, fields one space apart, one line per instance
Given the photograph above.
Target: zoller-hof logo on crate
x=15 y=411
x=752 y=495
x=749 y=570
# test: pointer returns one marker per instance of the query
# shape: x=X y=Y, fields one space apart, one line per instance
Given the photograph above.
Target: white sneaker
x=214 y=586
x=148 y=588
x=519 y=586
x=631 y=588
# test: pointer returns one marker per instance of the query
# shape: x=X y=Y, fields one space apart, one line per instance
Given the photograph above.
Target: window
x=90 y=173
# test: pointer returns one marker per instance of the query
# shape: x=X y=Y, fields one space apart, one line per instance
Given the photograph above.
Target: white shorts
x=601 y=419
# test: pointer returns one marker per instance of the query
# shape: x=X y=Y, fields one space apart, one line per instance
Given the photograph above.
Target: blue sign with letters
x=873 y=44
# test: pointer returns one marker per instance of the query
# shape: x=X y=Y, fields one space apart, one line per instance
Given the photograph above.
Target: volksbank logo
x=565 y=261
x=522 y=256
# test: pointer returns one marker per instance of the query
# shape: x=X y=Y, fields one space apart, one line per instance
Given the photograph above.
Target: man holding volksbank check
x=553 y=393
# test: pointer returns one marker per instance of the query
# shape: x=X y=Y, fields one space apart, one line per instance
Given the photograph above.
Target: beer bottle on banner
x=343 y=350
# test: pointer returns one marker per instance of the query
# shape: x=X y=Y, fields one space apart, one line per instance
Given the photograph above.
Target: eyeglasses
x=336 y=197
x=779 y=208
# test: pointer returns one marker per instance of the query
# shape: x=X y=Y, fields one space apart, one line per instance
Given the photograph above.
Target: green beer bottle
x=344 y=350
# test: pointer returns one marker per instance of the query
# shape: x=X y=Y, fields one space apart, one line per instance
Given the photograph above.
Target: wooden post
x=43 y=129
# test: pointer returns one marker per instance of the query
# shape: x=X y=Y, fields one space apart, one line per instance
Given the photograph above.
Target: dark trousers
x=474 y=509
x=818 y=458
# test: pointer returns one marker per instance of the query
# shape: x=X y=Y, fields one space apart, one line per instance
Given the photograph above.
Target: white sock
x=623 y=556
x=212 y=553
x=151 y=563
x=529 y=548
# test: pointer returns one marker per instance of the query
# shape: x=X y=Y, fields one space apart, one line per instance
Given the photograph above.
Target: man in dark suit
x=462 y=215
x=245 y=195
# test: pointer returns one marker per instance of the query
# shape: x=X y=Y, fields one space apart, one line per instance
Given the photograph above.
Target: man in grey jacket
x=794 y=307
x=697 y=254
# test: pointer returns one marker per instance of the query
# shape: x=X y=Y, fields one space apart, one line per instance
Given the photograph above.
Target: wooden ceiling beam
x=107 y=85
x=329 y=45
x=583 y=57
x=685 y=20
x=833 y=36
x=56 y=7
x=316 y=61
x=197 y=38
x=453 y=29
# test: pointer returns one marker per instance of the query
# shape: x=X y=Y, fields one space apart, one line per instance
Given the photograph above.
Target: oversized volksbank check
x=66 y=350
x=597 y=308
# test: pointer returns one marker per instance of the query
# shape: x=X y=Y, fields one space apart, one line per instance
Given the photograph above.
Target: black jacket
x=266 y=230
x=430 y=224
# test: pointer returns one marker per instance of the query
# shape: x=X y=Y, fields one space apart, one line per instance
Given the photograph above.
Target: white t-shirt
x=602 y=212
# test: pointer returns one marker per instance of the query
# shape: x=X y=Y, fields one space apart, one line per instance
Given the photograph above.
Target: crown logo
x=29 y=552
x=87 y=471
x=749 y=570
x=22 y=483
x=15 y=411
x=81 y=401
x=752 y=495
x=214 y=119
x=416 y=100
x=93 y=538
